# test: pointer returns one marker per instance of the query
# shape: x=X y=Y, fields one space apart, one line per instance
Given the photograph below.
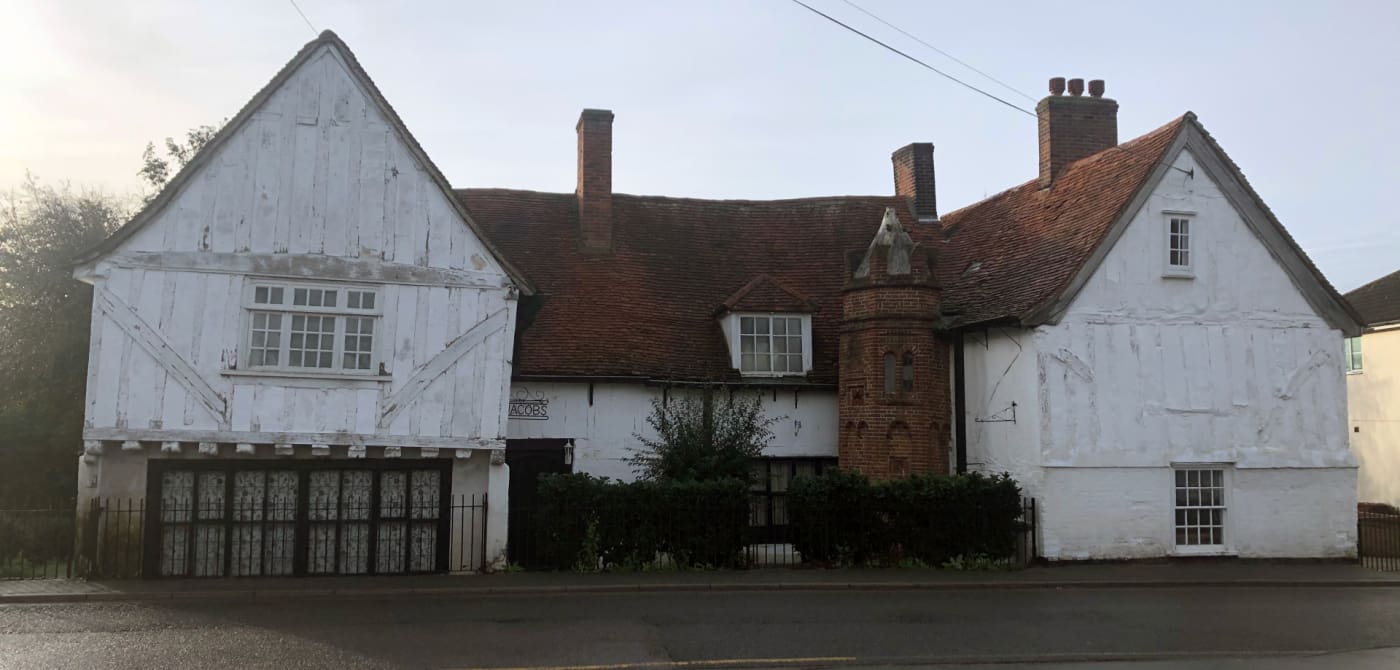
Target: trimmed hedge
x=591 y=523
x=844 y=518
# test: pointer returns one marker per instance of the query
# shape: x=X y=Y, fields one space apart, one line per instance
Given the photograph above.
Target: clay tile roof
x=1005 y=256
x=765 y=294
x=649 y=309
x=1379 y=301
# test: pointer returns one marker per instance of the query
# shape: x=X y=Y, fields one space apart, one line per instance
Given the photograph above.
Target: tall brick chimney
x=913 y=179
x=595 y=180
x=1073 y=126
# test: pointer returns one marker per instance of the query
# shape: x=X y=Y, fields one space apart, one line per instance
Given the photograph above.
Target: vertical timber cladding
x=282 y=518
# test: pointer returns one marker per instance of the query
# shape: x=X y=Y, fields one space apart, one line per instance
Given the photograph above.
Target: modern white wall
x=604 y=431
x=1373 y=402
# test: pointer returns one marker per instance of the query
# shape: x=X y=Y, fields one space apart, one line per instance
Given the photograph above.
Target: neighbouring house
x=308 y=345
x=1373 y=389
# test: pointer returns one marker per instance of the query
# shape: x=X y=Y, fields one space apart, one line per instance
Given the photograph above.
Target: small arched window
x=889 y=372
x=908 y=371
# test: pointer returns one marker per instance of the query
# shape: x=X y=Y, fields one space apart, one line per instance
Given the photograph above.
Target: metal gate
x=272 y=518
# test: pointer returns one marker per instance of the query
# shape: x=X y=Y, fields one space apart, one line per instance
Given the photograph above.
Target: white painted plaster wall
x=604 y=432
x=1142 y=372
x=1125 y=513
x=318 y=172
x=1000 y=364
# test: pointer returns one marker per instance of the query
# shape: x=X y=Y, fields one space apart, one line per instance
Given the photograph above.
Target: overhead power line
x=303 y=16
x=941 y=73
x=945 y=54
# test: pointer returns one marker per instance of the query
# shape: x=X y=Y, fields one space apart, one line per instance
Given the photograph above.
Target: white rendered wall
x=317 y=175
x=1125 y=513
x=604 y=432
x=1143 y=372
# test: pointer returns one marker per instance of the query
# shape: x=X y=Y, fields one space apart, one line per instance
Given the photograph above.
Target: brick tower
x=895 y=402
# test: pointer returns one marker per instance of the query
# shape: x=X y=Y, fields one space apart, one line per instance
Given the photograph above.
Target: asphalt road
x=1280 y=629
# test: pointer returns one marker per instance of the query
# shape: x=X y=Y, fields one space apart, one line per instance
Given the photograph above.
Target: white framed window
x=311 y=328
x=770 y=345
x=1200 y=505
x=1351 y=351
x=1179 y=245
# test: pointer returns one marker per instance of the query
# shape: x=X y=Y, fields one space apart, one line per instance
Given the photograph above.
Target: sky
x=746 y=98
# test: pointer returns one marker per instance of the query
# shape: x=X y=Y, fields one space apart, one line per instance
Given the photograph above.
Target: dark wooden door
x=528 y=459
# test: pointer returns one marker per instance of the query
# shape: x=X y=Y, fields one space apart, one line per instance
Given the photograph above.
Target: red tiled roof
x=649 y=309
x=1007 y=255
x=765 y=294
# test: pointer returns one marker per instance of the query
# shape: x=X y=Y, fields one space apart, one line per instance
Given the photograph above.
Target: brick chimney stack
x=1074 y=126
x=595 y=180
x=913 y=179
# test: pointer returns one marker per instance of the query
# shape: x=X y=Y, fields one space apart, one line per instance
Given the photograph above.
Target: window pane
x=313 y=297
x=794 y=344
x=330 y=298
x=260 y=294
x=367 y=301
x=276 y=295
x=746 y=344
x=746 y=363
x=780 y=326
x=299 y=296
x=794 y=362
x=760 y=326
x=780 y=345
x=746 y=325
x=763 y=363
x=761 y=345
x=780 y=363
x=889 y=373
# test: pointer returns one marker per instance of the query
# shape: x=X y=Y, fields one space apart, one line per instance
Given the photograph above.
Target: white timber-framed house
x=308 y=344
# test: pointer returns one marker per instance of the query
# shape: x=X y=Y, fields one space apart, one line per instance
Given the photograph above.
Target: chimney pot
x=1074 y=127
x=1057 y=85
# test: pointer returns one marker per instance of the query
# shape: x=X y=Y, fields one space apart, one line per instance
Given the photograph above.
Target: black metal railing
x=1378 y=536
x=109 y=539
x=36 y=541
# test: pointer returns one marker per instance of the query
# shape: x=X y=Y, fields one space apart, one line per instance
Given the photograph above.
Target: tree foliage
x=156 y=170
x=44 y=325
x=702 y=437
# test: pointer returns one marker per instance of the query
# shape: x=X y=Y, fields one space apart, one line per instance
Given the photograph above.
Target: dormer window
x=770 y=345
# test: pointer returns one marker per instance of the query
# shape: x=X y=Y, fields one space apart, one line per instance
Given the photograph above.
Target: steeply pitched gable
x=264 y=150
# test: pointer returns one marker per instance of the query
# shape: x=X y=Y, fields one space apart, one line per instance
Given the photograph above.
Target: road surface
x=1106 y=629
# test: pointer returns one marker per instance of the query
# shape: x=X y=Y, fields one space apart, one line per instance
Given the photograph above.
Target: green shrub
x=843 y=518
x=592 y=523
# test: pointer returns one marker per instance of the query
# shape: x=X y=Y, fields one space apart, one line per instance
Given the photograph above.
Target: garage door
x=273 y=518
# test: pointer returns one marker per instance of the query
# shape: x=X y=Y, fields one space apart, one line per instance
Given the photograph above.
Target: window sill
x=1355 y=372
x=298 y=374
x=772 y=375
x=1178 y=274
x=1198 y=550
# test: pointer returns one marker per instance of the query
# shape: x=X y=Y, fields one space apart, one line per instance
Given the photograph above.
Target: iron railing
x=1378 y=536
x=110 y=539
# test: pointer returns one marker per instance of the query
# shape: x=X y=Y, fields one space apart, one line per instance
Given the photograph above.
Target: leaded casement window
x=908 y=371
x=1351 y=351
x=1200 y=506
x=316 y=328
x=772 y=344
x=1179 y=247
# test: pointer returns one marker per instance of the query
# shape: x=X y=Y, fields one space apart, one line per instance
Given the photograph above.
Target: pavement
x=1063 y=576
x=1195 y=627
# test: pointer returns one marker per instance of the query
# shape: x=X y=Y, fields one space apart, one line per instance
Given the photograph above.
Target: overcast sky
x=746 y=98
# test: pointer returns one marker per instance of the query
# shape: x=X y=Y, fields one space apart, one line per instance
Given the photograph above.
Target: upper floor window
x=1178 y=245
x=1352 y=353
x=310 y=327
x=773 y=344
x=908 y=371
x=890 y=368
